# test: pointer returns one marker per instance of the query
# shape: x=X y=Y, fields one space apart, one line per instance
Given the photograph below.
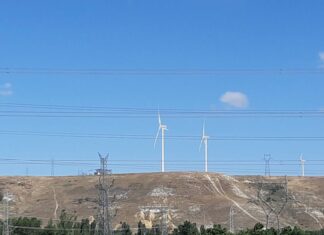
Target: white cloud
x=6 y=89
x=7 y=85
x=235 y=99
x=321 y=56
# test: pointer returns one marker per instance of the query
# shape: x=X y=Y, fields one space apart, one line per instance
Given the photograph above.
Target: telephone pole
x=104 y=216
x=52 y=167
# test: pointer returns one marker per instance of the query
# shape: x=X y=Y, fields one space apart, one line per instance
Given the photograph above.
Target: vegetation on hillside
x=69 y=225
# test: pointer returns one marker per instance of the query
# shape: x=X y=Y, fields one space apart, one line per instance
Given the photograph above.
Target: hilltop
x=198 y=197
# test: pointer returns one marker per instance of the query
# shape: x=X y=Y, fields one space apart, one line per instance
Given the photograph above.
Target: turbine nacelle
x=204 y=137
x=301 y=159
x=163 y=127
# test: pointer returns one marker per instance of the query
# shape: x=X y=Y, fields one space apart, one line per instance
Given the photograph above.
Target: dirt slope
x=198 y=197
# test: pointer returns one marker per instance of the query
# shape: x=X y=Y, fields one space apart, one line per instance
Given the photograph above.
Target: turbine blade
x=160 y=123
x=202 y=139
x=157 y=135
x=204 y=129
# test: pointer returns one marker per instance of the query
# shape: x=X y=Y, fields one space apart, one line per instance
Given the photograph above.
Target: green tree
x=25 y=226
x=49 y=229
x=203 y=230
x=155 y=230
x=141 y=229
x=124 y=229
x=187 y=228
x=1 y=227
x=67 y=224
x=216 y=229
x=258 y=227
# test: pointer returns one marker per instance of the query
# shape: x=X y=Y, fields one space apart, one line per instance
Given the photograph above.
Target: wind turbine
x=302 y=164
x=204 y=139
x=163 y=128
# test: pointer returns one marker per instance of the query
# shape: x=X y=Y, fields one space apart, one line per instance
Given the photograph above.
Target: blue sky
x=162 y=35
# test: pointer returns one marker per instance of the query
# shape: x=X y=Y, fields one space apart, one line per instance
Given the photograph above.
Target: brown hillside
x=198 y=197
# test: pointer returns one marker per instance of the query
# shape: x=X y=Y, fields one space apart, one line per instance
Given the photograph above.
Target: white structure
x=204 y=139
x=302 y=164
x=231 y=219
x=163 y=128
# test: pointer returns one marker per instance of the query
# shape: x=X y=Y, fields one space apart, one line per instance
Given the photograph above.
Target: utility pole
x=231 y=220
x=52 y=167
x=104 y=216
x=267 y=158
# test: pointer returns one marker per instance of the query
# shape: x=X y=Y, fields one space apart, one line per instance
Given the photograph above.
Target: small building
x=101 y=172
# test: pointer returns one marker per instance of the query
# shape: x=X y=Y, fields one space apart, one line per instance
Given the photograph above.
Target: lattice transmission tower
x=164 y=210
x=6 y=208
x=231 y=220
x=267 y=158
x=104 y=225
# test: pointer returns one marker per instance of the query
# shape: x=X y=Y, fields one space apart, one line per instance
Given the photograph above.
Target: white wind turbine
x=302 y=164
x=163 y=128
x=204 y=139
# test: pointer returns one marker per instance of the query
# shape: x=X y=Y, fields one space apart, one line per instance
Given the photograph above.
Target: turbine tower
x=204 y=139
x=163 y=128
x=302 y=164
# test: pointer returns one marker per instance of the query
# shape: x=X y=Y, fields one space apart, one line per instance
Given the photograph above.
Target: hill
x=198 y=197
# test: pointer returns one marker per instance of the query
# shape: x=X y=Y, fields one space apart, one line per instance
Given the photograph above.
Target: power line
x=161 y=72
x=64 y=111
x=232 y=167
x=107 y=109
x=151 y=137
x=49 y=229
x=71 y=229
x=152 y=162
x=131 y=109
x=41 y=218
x=238 y=114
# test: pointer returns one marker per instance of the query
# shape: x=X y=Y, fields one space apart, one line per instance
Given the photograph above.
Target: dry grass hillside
x=198 y=197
